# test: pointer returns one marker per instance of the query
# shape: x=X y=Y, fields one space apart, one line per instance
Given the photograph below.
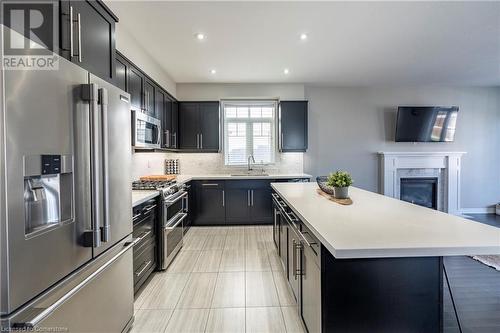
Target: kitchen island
x=380 y=259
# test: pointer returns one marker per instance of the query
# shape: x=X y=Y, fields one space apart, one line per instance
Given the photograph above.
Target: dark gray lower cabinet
x=233 y=202
x=237 y=203
x=261 y=210
x=210 y=203
x=310 y=307
x=248 y=202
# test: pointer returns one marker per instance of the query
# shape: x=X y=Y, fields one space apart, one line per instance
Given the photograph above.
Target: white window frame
x=249 y=121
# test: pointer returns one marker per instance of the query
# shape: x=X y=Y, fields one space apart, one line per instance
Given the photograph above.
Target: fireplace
x=420 y=191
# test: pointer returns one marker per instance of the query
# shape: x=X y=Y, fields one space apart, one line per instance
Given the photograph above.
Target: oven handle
x=183 y=216
x=177 y=198
x=147 y=209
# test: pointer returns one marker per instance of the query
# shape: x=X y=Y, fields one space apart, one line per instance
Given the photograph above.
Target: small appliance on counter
x=174 y=210
x=172 y=167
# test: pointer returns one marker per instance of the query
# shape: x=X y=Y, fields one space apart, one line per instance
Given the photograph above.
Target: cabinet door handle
x=210 y=184
x=297 y=247
x=78 y=17
x=201 y=140
x=71 y=32
x=146 y=265
x=248 y=198
x=294 y=260
x=197 y=141
x=167 y=138
x=252 y=198
x=223 y=198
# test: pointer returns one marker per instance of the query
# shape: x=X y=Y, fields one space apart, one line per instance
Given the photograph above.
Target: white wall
x=129 y=47
x=216 y=91
x=213 y=163
x=348 y=126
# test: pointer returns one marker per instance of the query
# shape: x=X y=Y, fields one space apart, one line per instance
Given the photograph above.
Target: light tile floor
x=225 y=279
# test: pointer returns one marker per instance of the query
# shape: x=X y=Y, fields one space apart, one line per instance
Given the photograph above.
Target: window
x=249 y=129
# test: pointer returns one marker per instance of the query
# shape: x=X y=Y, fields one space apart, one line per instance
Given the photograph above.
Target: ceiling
x=349 y=43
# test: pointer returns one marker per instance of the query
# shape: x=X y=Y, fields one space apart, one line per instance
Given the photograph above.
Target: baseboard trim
x=485 y=210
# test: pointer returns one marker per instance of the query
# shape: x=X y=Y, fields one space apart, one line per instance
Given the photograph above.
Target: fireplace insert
x=420 y=191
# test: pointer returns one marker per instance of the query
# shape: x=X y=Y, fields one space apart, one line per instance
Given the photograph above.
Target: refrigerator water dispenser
x=48 y=191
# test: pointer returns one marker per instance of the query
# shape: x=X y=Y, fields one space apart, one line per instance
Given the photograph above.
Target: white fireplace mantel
x=449 y=162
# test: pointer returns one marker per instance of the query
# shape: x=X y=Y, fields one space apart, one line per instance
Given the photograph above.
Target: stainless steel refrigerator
x=65 y=201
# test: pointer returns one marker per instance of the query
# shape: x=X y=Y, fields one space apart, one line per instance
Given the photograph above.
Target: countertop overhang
x=376 y=226
x=141 y=196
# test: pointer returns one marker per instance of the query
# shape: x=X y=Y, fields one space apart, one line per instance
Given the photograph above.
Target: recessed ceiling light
x=200 y=36
x=286 y=71
x=213 y=71
x=303 y=36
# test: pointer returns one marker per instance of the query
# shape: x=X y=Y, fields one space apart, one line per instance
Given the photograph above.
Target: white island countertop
x=376 y=226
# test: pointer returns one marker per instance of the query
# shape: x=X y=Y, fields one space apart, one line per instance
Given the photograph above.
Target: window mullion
x=249 y=139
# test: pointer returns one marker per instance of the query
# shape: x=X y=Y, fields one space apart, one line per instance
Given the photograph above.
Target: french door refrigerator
x=65 y=199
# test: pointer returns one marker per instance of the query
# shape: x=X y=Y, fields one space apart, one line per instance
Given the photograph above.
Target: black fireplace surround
x=420 y=191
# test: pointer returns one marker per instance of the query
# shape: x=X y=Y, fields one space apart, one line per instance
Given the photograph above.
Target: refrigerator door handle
x=54 y=306
x=103 y=98
x=92 y=91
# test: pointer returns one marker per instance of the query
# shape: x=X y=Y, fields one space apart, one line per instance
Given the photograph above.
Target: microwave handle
x=158 y=135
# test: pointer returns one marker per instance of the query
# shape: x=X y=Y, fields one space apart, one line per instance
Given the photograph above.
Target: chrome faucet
x=250 y=160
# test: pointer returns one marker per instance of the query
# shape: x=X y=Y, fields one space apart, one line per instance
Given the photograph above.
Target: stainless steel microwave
x=146 y=130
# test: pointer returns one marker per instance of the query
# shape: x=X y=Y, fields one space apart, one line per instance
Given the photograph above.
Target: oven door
x=172 y=238
x=146 y=130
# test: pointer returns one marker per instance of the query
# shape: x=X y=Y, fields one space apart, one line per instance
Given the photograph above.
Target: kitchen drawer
x=145 y=230
x=144 y=263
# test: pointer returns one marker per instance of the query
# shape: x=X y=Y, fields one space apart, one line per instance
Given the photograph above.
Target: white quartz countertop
x=186 y=178
x=140 y=196
x=377 y=226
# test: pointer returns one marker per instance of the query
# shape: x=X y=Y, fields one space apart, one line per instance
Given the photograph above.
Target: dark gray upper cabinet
x=169 y=119
x=135 y=80
x=189 y=122
x=86 y=33
x=175 y=124
x=293 y=126
x=160 y=109
x=199 y=126
x=91 y=44
x=149 y=98
x=121 y=73
x=209 y=126
x=166 y=119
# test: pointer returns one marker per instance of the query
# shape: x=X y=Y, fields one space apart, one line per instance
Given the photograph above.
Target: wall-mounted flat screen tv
x=426 y=123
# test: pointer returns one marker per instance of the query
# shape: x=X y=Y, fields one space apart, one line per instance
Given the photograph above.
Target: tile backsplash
x=208 y=163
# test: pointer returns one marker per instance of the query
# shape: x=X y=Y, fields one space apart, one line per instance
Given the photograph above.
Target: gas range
x=166 y=187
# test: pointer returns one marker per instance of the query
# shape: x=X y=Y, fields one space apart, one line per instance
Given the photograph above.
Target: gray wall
x=349 y=125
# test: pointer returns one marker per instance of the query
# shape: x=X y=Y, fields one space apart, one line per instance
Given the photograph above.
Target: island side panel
x=382 y=295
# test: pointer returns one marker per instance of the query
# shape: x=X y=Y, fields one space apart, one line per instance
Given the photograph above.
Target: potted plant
x=340 y=181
